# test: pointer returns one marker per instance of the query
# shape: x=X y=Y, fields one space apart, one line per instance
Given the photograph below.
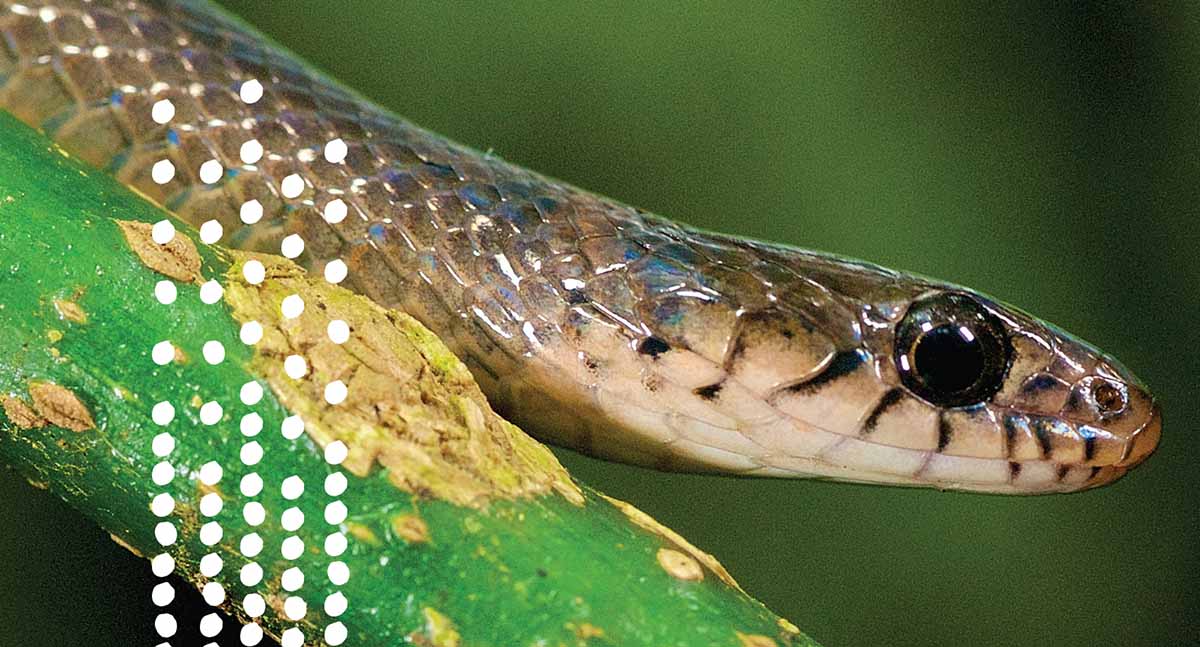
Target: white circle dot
x=162 y=473
x=214 y=351
x=335 y=392
x=163 y=444
x=210 y=565
x=252 y=423
x=292 y=638
x=255 y=605
x=339 y=331
x=211 y=473
x=214 y=593
x=292 y=186
x=211 y=412
x=162 y=505
x=292 y=579
x=251 y=151
x=162 y=232
x=162 y=414
x=335 y=211
x=335 y=544
x=336 y=634
x=292 y=548
x=251 y=574
x=251 y=545
x=166 y=292
x=292 y=488
x=162 y=353
x=335 y=151
x=292 y=306
x=292 y=246
x=251 y=635
x=162 y=111
x=251 y=393
x=251 y=453
x=251 y=332
x=292 y=427
x=210 y=232
x=295 y=366
x=210 y=625
x=336 y=271
x=211 y=171
x=335 y=484
x=162 y=594
x=254 y=272
x=251 y=211
x=295 y=608
x=254 y=513
x=251 y=485
x=335 y=513
x=165 y=625
x=162 y=172
x=162 y=564
x=251 y=91
x=336 y=452
x=210 y=533
x=165 y=533
x=292 y=519
x=335 y=605
x=211 y=504
x=211 y=292
x=339 y=573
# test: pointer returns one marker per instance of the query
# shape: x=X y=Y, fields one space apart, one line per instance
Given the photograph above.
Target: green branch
x=462 y=530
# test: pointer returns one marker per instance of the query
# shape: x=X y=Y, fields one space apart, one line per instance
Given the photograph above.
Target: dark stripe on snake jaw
x=944 y=432
x=844 y=363
x=886 y=402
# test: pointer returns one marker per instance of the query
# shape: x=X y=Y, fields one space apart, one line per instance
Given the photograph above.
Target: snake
x=592 y=324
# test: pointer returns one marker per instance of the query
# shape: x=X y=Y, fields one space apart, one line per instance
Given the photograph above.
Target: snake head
x=1008 y=389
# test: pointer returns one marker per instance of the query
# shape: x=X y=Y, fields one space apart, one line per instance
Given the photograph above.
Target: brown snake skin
x=589 y=322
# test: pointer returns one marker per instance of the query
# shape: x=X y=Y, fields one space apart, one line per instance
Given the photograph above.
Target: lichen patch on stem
x=411 y=528
x=70 y=311
x=412 y=407
x=177 y=259
x=60 y=406
x=756 y=640
x=21 y=415
x=680 y=565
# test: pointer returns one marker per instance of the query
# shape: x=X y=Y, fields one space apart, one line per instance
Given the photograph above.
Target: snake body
x=593 y=324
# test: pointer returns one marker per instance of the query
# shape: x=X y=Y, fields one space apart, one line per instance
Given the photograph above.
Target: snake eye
x=950 y=351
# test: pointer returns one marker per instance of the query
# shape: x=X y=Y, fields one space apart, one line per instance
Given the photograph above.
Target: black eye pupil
x=951 y=351
x=949 y=359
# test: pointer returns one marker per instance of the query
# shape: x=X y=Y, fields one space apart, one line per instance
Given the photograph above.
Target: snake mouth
x=1144 y=441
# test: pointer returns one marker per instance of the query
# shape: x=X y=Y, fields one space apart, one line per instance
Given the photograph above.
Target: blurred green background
x=1048 y=155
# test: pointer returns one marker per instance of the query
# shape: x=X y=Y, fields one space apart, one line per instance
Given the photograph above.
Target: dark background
x=1045 y=155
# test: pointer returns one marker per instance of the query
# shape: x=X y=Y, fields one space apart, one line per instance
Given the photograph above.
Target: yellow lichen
x=585 y=631
x=412 y=407
x=648 y=523
x=755 y=640
x=21 y=415
x=788 y=627
x=410 y=528
x=439 y=631
x=680 y=565
x=54 y=336
x=60 y=406
x=70 y=311
x=177 y=259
